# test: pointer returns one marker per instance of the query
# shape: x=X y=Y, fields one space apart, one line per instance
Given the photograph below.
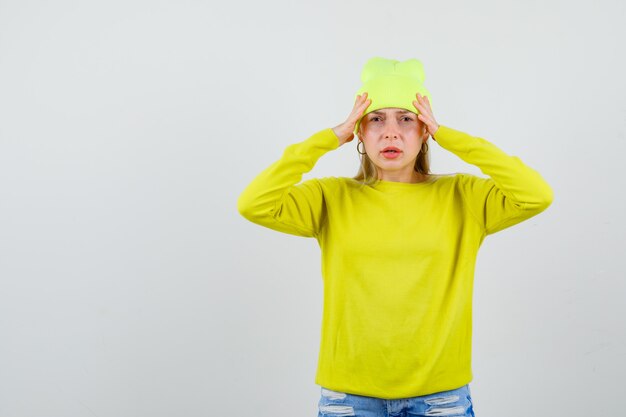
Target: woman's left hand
x=422 y=104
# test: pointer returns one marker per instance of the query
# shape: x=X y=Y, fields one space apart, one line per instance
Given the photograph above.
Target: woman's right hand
x=345 y=131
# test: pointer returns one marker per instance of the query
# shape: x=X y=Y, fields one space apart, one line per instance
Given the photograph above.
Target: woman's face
x=395 y=127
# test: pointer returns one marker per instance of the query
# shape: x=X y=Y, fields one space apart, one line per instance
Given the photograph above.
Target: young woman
x=398 y=243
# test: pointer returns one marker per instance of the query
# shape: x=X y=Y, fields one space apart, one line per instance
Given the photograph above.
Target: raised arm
x=274 y=199
x=513 y=193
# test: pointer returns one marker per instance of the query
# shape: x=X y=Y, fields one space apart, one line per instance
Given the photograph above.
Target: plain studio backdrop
x=130 y=286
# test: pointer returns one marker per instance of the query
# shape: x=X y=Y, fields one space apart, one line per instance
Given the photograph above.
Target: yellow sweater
x=397 y=259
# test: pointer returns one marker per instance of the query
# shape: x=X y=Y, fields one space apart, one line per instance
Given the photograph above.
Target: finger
x=360 y=99
x=420 y=107
x=423 y=108
x=358 y=111
x=426 y=100
x=423 y=99
x=427 y=120
x=363 y=106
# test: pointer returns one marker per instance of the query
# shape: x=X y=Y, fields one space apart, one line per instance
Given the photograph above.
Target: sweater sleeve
x=275 y=200
x=513 y=193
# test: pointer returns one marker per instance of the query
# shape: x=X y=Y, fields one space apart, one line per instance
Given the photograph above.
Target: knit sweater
x=398 y=258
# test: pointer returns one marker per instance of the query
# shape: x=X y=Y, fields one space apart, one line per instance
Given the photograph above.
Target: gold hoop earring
x=357 y=148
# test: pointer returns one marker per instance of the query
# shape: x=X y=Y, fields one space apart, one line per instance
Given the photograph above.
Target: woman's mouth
x=391 y=153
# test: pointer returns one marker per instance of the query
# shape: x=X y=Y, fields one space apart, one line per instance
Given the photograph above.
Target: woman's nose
x=391 y=129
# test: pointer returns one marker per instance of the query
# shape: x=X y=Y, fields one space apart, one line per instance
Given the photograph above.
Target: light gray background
x=130 y=286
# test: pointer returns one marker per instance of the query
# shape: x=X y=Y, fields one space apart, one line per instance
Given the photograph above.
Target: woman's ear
x=425 y=133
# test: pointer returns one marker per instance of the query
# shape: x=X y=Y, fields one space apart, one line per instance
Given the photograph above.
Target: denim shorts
x=452 y=403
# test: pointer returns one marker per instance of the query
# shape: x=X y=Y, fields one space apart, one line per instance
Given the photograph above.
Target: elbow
x=251 y=207
x=544 y=198
x=548 y=196
x=243 y=206
x=540 y=199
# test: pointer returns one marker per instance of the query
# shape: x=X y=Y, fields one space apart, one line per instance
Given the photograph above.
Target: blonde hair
x=368 y=174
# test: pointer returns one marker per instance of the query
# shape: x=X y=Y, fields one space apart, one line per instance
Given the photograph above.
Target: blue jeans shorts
x=452 y=403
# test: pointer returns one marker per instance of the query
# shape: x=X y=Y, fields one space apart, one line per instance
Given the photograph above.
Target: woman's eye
x=406 y=118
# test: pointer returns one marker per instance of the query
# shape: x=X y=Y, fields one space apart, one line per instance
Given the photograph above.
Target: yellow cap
x=391 y=83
